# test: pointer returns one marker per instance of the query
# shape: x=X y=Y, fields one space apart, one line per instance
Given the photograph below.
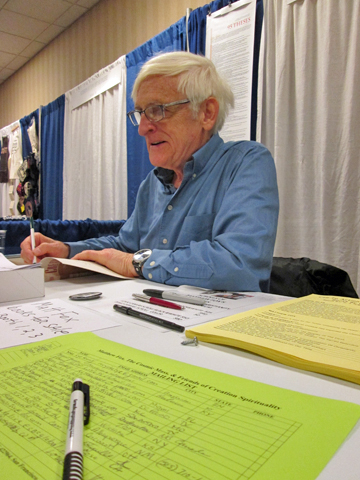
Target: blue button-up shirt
x=217 y=230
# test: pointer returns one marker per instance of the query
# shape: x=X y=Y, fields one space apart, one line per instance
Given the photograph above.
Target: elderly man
x=207 y=214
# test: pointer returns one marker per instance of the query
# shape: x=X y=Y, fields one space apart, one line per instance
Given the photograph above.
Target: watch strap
x=138 y=269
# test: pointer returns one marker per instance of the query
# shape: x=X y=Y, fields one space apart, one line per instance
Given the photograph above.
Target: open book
x=316 y=333
x=60 y=268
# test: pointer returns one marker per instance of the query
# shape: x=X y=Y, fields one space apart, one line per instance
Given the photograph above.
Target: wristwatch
x=139 y=259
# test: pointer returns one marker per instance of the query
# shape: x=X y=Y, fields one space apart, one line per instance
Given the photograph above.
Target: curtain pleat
x=95 y=160
x=52 y=155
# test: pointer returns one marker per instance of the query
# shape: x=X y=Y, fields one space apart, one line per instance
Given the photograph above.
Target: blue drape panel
x=63 y=230
x=138 y=161
x=52 y=157
x=25 y=123
x=197 y=25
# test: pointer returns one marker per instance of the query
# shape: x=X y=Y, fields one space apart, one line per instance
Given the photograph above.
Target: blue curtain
x=63 y=230
x=138 y=161
x=52 y=152
x=197 y=25
x=25 y=123
x=52 y=156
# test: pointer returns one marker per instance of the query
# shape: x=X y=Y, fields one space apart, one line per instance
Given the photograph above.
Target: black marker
x=78 y=417
x=148 y=318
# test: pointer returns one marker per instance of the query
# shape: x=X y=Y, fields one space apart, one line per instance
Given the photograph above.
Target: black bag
x=297 y=277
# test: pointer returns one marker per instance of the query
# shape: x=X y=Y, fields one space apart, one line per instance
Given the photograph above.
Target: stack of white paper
x=20 y=282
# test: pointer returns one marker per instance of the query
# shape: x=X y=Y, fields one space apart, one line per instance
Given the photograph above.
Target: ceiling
x=27 y=26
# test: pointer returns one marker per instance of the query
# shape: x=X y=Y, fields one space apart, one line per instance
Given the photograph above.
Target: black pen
x=79 y=416
x=148 y=318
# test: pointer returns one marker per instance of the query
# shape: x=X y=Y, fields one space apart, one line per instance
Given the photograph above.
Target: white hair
x=198 y=80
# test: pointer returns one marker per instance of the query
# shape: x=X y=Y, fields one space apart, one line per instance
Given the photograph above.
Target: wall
x=111 y=29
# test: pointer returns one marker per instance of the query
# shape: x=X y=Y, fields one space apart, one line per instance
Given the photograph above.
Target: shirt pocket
x=196 y=228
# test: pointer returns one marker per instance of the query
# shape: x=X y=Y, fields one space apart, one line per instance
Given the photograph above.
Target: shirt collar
x=202 y=156
x=194 y=165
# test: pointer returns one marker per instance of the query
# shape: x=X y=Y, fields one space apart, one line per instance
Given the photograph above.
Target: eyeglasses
x=154 y=113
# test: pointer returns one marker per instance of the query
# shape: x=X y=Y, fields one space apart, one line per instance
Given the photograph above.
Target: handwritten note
x=157 y=418
x=30 y=322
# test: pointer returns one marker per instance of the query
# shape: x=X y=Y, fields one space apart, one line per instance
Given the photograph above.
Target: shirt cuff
x=76 y=247
x=162 y=266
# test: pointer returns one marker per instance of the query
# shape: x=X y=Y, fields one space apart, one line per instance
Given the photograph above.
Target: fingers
x=119 y=262
x=44 y=247
x=26 y=250
x=53 y=249
x=90 y=255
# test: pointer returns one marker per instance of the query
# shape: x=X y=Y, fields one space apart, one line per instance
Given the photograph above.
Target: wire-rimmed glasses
x=154 y=113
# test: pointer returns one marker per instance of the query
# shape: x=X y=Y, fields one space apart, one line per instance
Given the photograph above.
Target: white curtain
x=95 y=158
x=8 y=196
x=309 y=118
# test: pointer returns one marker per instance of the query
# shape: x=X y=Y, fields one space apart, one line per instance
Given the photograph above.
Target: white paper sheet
x=230 y=45
x=218 y=305
x=6 y=265
x=31 y=322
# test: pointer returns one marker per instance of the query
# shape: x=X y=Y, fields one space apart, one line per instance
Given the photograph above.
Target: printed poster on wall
x=230 y=45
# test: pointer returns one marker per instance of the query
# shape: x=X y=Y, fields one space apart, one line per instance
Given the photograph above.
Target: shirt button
x=176 y=269
x=165 y=241
x=170 y=207
x=150 y=276
x=194 y=175
x=152 y=263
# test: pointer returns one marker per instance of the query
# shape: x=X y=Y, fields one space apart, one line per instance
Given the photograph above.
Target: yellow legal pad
x=317 y=333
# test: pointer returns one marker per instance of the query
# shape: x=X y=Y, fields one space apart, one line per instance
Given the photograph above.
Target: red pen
x=157 y=301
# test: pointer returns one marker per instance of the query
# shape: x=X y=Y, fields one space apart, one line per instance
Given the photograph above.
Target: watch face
x=142 y=255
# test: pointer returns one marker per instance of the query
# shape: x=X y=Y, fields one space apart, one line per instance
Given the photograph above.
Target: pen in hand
x=79 y=416
x=32 y=236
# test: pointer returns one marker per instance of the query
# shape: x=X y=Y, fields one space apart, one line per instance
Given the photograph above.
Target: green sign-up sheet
x=155 y=418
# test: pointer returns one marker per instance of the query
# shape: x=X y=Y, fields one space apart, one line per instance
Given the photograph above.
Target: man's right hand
x=44 y=247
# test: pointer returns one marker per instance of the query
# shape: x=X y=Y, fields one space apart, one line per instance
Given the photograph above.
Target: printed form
x=155 y=418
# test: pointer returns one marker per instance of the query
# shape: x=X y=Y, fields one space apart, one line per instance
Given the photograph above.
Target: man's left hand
x=115 y=260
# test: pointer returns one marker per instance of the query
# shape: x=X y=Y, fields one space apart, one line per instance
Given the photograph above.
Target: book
x=316 y=333
x=61 y=268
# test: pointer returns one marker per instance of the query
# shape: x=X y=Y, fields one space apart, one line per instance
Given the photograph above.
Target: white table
x=344 y=465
